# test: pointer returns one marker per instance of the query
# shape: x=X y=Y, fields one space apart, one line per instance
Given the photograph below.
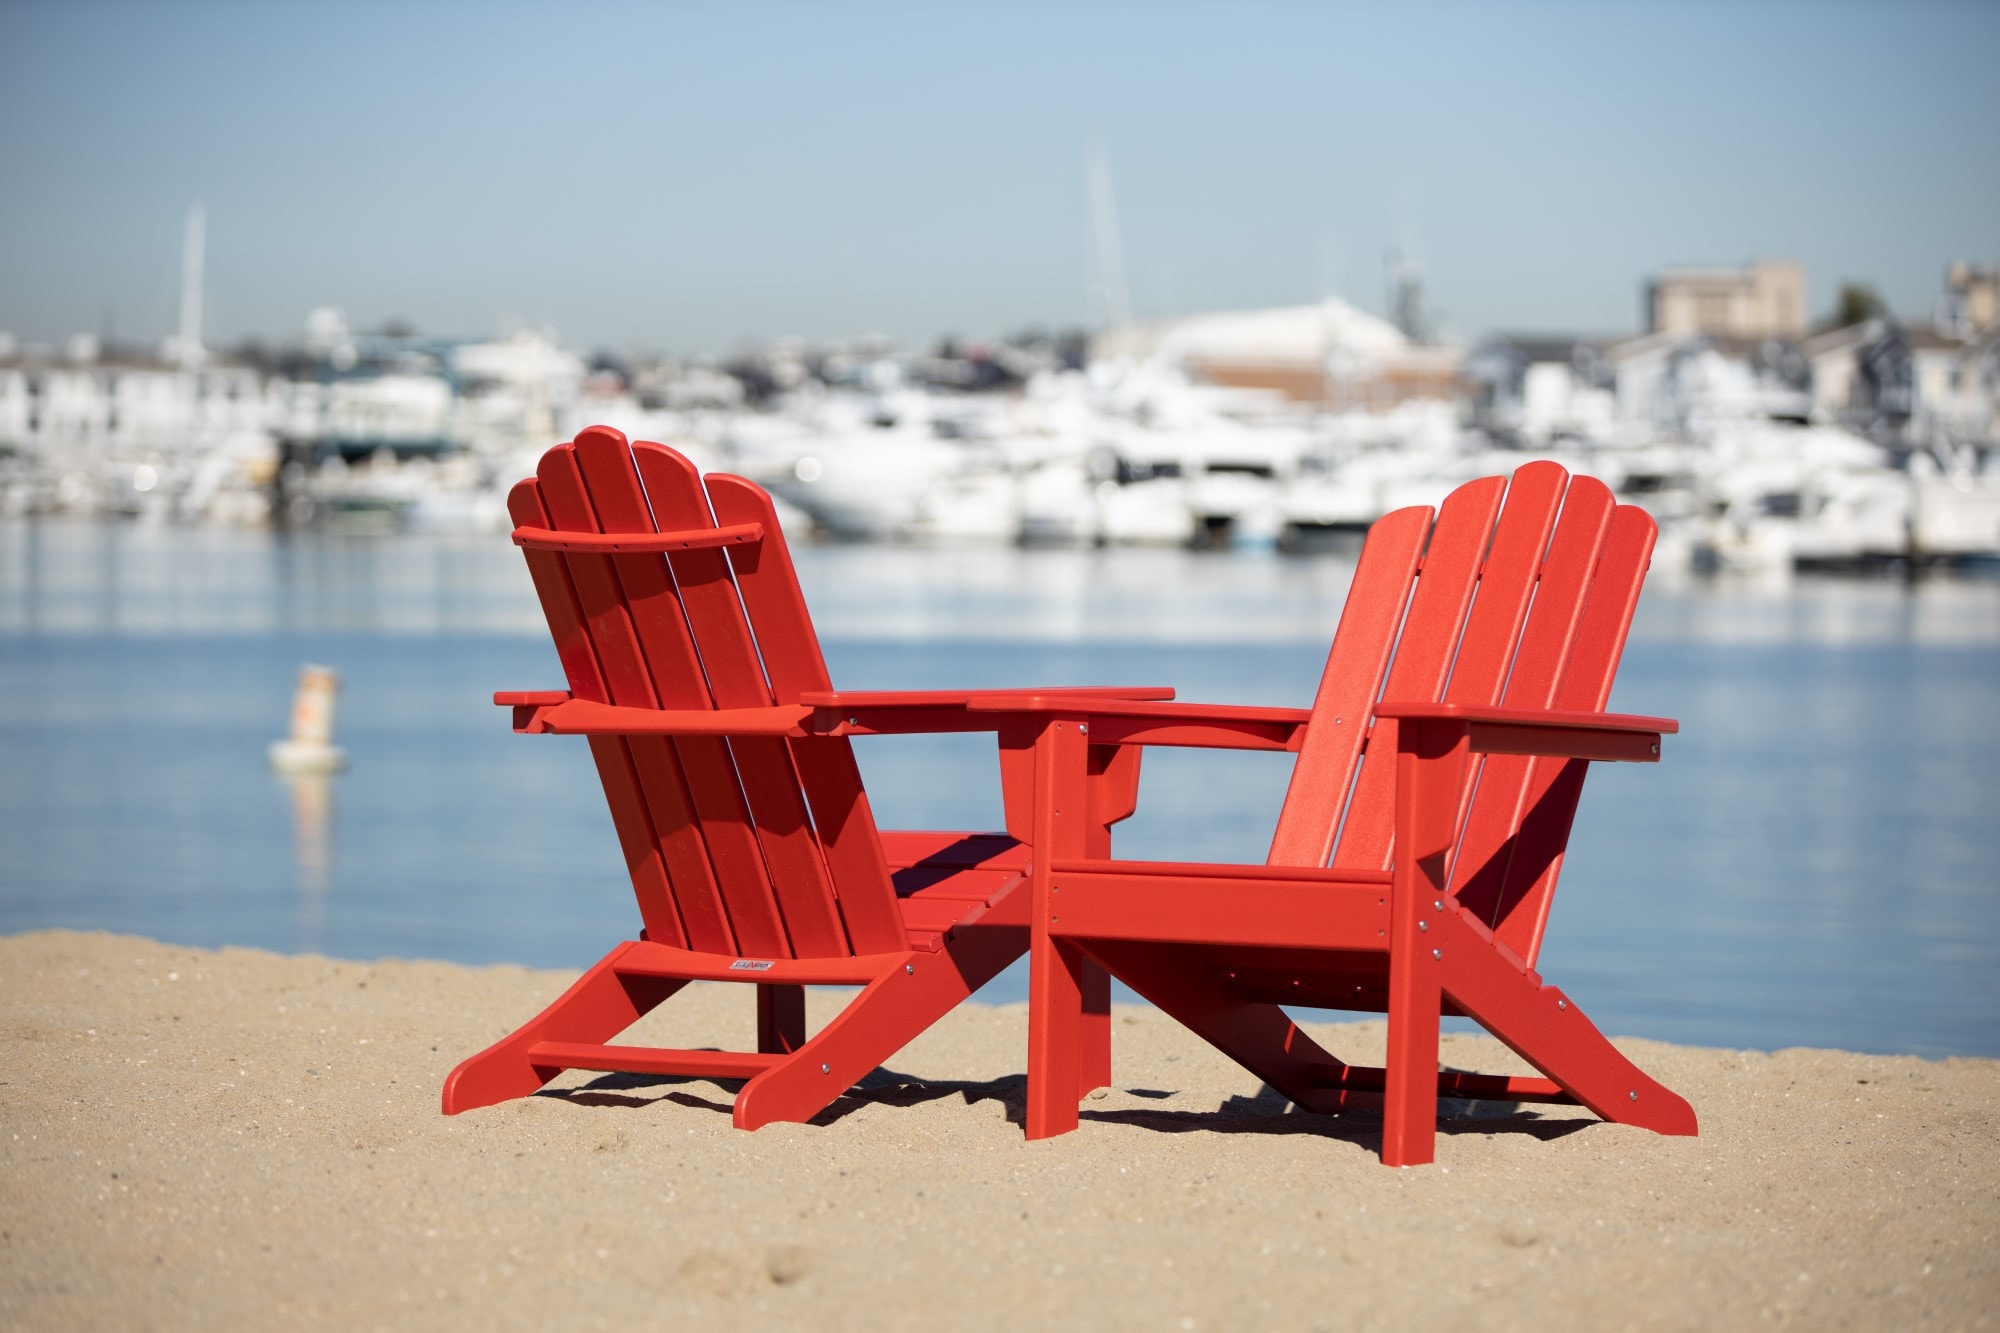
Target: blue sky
x=689 y=178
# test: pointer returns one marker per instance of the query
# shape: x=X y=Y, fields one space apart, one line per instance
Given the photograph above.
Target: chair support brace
x=624 y=543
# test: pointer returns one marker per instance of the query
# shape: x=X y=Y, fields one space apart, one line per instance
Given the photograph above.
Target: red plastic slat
x=1555 y=787
x=1507 y=584
x=655 y=607
x=799 y=879
x=1324 y=773
x=793 y=665
x=559 y=607
x=650 y=1060
x=1507 y=580
x=656 y=764
x=1423 y=655
x=634 y=825
x=1497 y=807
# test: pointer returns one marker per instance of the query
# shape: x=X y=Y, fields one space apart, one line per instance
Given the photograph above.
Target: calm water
x=1816 y=862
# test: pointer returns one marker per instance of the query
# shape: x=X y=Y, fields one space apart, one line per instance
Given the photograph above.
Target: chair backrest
x=1520 y=594
x=752 y=846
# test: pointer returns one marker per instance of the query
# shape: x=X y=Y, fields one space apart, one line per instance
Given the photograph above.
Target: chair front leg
x=1430 y=764
x=1057 y=987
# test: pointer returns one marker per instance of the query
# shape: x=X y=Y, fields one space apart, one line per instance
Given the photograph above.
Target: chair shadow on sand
x=1267 y=1111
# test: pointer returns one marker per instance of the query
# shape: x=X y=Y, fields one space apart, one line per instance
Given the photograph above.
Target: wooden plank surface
x=628 y=683
x=1424 y=649
x=793 y=664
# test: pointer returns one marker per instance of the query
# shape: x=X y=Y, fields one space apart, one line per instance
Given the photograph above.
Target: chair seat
x=943 y=879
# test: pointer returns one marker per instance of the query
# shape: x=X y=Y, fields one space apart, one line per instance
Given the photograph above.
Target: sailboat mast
x=1110 y=250
x=193 y=246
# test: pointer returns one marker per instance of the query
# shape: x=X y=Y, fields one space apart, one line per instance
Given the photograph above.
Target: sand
x=200 y=1139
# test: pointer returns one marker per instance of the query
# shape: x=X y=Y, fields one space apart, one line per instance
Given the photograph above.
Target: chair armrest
x=525 y=702
x=1562 y=734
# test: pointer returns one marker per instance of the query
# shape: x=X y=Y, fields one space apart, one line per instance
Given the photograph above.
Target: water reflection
x=312 y=853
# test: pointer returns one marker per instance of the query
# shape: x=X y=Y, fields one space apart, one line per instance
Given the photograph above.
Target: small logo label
x=750 y=965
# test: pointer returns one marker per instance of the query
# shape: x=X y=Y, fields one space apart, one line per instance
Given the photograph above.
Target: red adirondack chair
x=1407 y=874
x=695 y=672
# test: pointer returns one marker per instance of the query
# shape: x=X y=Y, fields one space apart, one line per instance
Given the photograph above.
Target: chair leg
x=1410 y=1087
x=599 y=1006
x=1094 y=1037
x=890 y=1011
x=1547 y=1030
x=1430 y=764
x=781 y=1019
x=1057 y=980
x=1055 y=1036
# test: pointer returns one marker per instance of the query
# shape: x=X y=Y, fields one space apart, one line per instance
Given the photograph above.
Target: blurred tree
x=1857 y=304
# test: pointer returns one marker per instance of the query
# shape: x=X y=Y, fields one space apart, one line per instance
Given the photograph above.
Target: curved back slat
x=1523 y=596
x=1522 y=912
x=1423 y=657
x=1486 y=844
x=793 y=664
x=736 y=679
x=1310 y=818
x=654 y=607
x=657 y=762
x=644 y=850
x=1507 y=581
x=749 y=846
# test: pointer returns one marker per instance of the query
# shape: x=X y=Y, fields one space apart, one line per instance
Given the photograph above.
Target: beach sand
x=229 y=1139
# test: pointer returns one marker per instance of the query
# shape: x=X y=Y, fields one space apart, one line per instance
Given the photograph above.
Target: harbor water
x=1816 y=861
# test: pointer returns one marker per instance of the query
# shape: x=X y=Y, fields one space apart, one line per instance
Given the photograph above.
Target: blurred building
x=1762 y=299
x=1914 y=384
x=1534 y=389
x=1970 y=303
x=117 y=429
x=1675 y=380
x=1329 y=354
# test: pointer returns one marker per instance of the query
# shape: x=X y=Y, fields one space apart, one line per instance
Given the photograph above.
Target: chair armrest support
x=626 y=543
x=910 y=712
x=581 y=717
x=1150 y=722
x=972 y=698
